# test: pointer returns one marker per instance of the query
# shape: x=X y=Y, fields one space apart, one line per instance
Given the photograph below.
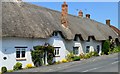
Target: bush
x=3 y=69
x=93 y=54
x=58 y=62
x=70 y=57
x=82 y=56
x=116 y=49
x=106 y=47
x=64 y=61
x=10 y=71
x=87 y=55
x=29 y=66
x=76 y=58
x=17 y=66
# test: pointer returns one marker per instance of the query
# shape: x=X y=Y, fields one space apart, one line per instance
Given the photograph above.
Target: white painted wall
x=58 y=42
x=9 y=43
x=93 y=45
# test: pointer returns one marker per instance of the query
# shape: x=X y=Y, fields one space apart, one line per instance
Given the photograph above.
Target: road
x=106 y=63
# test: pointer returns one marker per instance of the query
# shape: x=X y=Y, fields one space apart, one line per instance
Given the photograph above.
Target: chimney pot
x=80 y=14
x=108 y=22
x=87 y=15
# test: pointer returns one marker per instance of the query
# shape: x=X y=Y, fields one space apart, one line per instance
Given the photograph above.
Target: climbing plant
x=39 y=52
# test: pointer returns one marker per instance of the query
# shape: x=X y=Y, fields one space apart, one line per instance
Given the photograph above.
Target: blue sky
x=99 y=11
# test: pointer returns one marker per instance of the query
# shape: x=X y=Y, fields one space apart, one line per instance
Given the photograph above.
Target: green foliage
x=93 y=54
x=17 y=66
x=106 y=47
x=50 y=54
x=10 y=71
x=4 y=69
x=58 y=62
x=37 y=54
x=76 y=58
x=70 y=57
x=82 y=56
x=116 y=49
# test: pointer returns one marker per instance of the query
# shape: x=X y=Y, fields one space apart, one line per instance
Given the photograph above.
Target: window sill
x=20 y=59
x=57 y=55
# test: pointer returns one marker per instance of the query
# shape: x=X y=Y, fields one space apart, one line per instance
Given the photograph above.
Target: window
x=20 y=52
x=75 y=50
x=98 y=48
x=55 y=34
x=87 y=49
x=56 y=51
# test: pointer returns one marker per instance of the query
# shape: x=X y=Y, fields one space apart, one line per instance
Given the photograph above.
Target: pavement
x=104 y=63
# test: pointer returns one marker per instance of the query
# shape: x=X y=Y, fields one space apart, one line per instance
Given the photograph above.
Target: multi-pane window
x=87 y=49
x=57 y=51
x=20 y=52
x=75 y=50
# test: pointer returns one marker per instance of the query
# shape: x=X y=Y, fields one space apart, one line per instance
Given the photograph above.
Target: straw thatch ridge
x=28 y=20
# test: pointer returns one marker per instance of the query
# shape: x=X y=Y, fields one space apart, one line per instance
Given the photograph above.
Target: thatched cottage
x=26 y=25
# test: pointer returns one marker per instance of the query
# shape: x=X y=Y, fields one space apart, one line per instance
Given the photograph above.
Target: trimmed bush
x=76 y=58
x=4 y=69
x=17 y=66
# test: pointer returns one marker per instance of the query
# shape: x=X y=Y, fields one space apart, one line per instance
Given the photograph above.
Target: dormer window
x=76 y=38
x=55 y=34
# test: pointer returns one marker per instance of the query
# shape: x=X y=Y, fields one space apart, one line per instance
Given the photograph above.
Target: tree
x=106 y=47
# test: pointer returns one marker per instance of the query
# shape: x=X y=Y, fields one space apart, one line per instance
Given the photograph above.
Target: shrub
x=70 y=57
x=3 y=69
x=87 y=55
x=58 y=62
x=106 y=47
x=10 y=71
x=76 y=58
x=64 y=61
x=93 y=54
x=29 y=66
x=82 y=56
x=116 y=49
x=17 y=66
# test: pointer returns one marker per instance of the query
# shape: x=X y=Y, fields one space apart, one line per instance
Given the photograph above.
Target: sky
x=99 y=11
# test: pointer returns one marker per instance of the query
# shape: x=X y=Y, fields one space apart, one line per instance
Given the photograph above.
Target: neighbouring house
x=26 y=25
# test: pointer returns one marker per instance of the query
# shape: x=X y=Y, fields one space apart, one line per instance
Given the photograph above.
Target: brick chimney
x=80 y=14
x=108 y=22
x=87 y=15
x=64 y=14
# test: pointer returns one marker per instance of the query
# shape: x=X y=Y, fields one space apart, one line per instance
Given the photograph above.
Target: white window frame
x=21 y=49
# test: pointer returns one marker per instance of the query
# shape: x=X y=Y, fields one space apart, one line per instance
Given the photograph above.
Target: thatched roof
x=27 y=20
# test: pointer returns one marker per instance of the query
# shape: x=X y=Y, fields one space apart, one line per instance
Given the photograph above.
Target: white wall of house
x=9 y=51
x=58 y=41
x=93 y=45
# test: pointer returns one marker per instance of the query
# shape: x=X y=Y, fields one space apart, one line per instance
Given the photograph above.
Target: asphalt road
x=106 y=63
